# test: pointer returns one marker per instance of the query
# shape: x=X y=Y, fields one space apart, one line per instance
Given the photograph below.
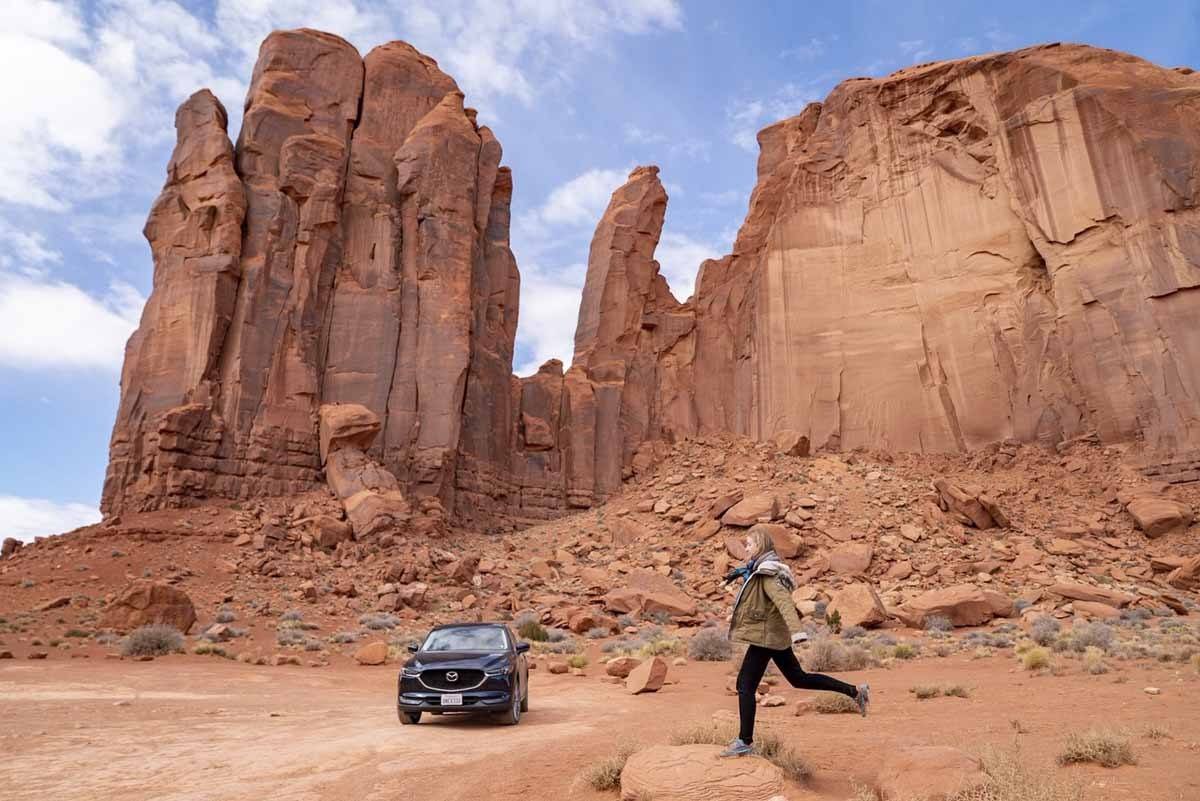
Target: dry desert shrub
x=605 y=775
x=1093 y=661
x=157 y=639
x=824 y=654
x=924 y=691
x=1036 y=659
x=710 y=645
x=577 y=661
x=1097 y=746
x=834 y=704
x=1009 y=779
x=1044 y=631
x=767 y=744
x=1091 y=635
x=1196 y=662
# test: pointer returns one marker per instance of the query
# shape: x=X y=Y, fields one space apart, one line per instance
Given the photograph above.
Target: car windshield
x=482 y=638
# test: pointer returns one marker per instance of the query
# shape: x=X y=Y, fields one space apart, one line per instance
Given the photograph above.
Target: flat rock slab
x=927 y=773
x=697 y=773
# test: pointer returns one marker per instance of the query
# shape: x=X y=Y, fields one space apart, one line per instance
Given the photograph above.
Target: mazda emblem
x=451 y=675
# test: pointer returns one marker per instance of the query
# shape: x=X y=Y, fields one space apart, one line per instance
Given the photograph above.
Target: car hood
x=462 y=660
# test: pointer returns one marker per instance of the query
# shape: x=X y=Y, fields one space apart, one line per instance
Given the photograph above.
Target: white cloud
x=53 y=324
x=581 y=200
x=549 y=312
x=726 y=198
x=679 y=257
x=811 y=50
x=57 y=122
x=25 y=250
x=26 y=518
x=915 y=49
x=747 y=116
x=635 y=135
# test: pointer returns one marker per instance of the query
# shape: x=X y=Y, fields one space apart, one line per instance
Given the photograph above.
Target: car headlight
x=498 y=670
x=411 y=672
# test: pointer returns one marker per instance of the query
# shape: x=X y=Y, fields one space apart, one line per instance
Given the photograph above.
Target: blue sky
x=577 y=92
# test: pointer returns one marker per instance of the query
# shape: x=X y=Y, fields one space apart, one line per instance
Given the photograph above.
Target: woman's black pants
x=755 y=664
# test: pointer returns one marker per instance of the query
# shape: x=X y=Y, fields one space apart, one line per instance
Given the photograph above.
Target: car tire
x=512 y=715
x=525 y=701
x=409 y=718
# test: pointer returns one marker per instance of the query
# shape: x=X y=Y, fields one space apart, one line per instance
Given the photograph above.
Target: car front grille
x=451 y=681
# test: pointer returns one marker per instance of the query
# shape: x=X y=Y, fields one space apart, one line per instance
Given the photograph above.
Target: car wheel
x=512 y=715
x=409 y=718
x=525 y=701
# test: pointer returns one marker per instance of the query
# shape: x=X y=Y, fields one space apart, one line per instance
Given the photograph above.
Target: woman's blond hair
x=760 y=542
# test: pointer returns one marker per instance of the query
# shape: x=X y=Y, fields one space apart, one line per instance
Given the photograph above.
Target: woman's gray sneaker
x=863 y=699
x=737 y=748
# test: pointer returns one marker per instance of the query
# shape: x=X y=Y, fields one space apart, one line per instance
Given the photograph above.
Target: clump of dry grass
x=926 y=691
x=156 y=639
x=834 y=704
x=767 y=744
x=606 y=774
x=1036 y=658
x=1009 y=779
x=1097 y=746
x=1093 y=661
x=827 y=655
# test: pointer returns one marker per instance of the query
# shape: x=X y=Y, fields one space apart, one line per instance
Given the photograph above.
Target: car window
x=466 y=639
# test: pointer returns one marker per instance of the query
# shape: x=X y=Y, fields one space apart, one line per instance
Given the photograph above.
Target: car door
x=522 y=663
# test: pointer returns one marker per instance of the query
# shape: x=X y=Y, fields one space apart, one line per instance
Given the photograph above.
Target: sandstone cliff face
x=1002 y=247
x=353 y=247
x=964 y=252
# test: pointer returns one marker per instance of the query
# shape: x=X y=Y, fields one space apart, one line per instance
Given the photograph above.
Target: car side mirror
x=522 y=647
x=413 y=647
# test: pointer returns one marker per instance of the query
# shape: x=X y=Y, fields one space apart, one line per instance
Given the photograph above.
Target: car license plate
x=452 y=699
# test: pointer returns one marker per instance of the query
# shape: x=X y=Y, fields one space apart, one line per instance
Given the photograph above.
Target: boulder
x=969 y=505
x=962 y=605
x=851 y=558
x=327 y=531
x=346 y=424
x=697 y=773
x=372 y=513
x=582 y=622
x=144 y=602
x=9 y=547
x=374 y=653
x=723 y=503
x=791 y=442
x=858 y=605
x=1088 y=592
x=746 y=512
x=1156 y=515
x=784 y=539
x=54 y=603
x=1096 y=610
x=927 y=773
x=646 y=593
x=648 y=677
x=1187 y=575
x=621 y=666
x=625 y=531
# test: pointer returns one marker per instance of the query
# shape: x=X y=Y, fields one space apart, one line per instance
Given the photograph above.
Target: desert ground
x=191 y=727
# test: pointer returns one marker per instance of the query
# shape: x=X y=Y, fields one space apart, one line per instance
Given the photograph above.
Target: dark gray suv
x=466 y=668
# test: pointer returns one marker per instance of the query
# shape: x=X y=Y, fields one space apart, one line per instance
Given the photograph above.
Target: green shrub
x=532 y=631
x=904 y=650
x=834 y=621
x=157 y=639
x=577 y=661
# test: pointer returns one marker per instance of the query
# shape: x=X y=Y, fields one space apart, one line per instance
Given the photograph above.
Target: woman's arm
x=783 y=601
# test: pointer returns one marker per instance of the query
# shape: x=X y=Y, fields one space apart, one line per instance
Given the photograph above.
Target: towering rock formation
x=354 y=247
x=963 y=252
x=1000 y=247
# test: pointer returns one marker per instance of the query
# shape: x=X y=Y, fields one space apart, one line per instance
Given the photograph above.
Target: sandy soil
x=205 y=728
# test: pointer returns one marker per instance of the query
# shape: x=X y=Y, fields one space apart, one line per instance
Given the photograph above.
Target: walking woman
x=765 y=618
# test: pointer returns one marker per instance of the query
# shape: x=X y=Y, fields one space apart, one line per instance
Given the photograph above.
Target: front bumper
x=475 y=701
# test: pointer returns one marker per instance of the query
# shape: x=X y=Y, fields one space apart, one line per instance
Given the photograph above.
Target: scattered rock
x=1156 y=515
x=962 y=605
x=621 y=666
x=858 y=605
x=851 y=558
x=374 y=653
x=748 y=511
x=1087 y=592
x=791 y=443
x=648 y=677
x=969 y=505
x=144 y=602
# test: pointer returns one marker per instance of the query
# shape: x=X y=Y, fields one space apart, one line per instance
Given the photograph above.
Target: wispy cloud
x=811 y=50
x=26 y=518
x=746 y=116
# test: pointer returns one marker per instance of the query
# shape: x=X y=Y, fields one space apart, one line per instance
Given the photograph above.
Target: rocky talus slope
x=957 y=255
